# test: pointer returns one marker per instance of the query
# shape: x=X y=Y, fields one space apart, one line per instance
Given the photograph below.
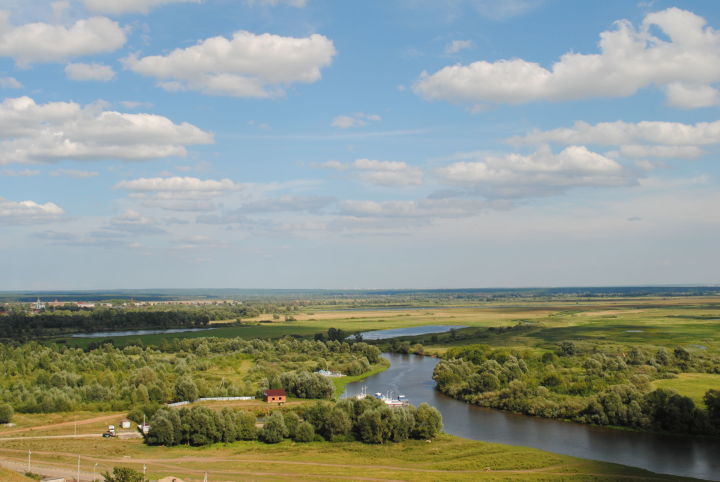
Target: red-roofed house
x=275 y=395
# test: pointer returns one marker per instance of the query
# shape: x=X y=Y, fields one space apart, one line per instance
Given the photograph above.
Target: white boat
x=400 y=401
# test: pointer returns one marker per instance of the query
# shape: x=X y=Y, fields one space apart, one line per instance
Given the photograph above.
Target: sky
x=358 y=144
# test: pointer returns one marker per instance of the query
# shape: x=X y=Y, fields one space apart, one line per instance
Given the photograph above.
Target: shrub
x=6 y=413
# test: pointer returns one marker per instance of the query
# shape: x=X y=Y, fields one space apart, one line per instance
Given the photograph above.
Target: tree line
x=367 y=420
x=23 y=326
x=41 y=378
x=583 y=384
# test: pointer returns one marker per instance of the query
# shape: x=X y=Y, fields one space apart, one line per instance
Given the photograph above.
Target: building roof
x=275 y=392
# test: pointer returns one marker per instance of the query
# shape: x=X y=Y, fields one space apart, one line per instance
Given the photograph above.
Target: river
x=411 y=375
x=112 y=334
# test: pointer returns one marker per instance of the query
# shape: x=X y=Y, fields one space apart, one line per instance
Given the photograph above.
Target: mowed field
x=444 y=458
x=693 y=385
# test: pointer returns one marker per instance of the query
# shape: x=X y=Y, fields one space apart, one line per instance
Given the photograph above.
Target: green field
x=687 y=321
x=693 y=385
x=446 y=458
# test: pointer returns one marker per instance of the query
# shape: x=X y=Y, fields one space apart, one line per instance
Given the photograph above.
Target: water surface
x=410 y=331
x=411 y=375
x=111 y=334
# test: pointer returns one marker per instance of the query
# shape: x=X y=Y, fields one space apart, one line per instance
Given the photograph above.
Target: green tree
x=428 y=422
x=712 y=402
x=124 y=474
x=274 y=429
x=185 y=389
x=6 y=413
x=304 y=432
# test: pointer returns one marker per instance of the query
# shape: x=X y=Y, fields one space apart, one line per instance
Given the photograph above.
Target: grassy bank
x=341 y=382
x=445 y=458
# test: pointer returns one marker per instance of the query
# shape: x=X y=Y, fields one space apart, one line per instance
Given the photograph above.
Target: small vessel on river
x=399 y=401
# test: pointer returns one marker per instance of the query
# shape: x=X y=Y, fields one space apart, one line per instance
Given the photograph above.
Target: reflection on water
x=110 y=334
x=410 y=331
x=411 y=375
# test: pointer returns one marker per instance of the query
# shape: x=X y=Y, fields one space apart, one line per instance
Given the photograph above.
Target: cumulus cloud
x=640 y=139
x=178 y=193
x=686 y=66
x=538 y=174
x=9 y=83
x=117 y=7
x=41 y=133
x=246 y=65
x=43 y=42
x=457 y=45
x=28 y=212
x=82 y=72
x=384 y=173
x=358 y=119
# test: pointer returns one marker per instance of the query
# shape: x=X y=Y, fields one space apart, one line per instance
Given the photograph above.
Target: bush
x=124 y=474
x=274 y=429
x=304 y=432
x=6 y=413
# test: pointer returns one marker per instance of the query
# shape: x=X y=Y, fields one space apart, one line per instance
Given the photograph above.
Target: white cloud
x=457 y=45
x=82 y=72
x=691 y=96
x=32 y=133
x=134 y=223
x=9 y=83
x=678 y=152
x=134 y=104
x=359 y=119
x=182 y=186
x=178 y=193
x=247 y=65
x=686 y=66
x=117 y=7
x=42 y=42
x=21 y=173
x=384 y=173
x=538 y=174
x=641 y=139
x=274 y=3
x=423 y=208
x=28 y=212
x=74 y=173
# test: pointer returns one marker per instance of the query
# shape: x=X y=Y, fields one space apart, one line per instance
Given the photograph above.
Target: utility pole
x=29 y=454
x=94 y=469
x=144 y=471
x=78 y=473
x=205 y=479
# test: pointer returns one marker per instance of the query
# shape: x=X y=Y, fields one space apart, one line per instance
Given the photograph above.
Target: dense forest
x=17 y=322
x=586 y=383
x=368 y=420
x=52 y=378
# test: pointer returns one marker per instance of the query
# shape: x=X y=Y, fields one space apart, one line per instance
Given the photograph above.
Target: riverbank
x=341 y=382
x=686 y=456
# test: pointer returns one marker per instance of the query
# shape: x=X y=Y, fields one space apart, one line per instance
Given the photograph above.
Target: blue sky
x=328 y=144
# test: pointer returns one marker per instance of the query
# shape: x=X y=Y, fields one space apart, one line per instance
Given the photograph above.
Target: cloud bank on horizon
x=311 y=143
